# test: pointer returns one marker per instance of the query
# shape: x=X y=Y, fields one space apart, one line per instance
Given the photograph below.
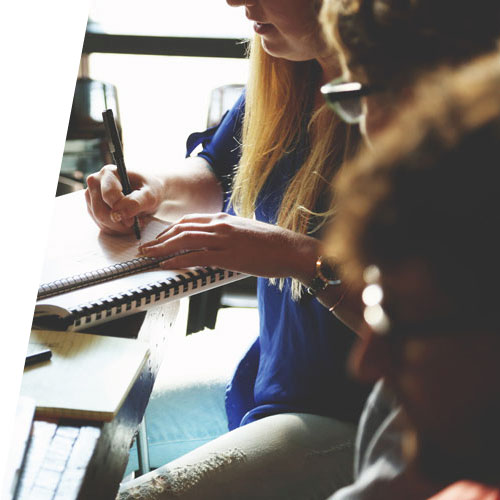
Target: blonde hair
x=278 y=111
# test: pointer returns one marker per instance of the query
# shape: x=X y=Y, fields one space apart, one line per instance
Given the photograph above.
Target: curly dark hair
x=431 y=188
x=385 y=41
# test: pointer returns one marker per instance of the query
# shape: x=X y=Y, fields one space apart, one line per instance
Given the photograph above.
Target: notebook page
x=76 y=245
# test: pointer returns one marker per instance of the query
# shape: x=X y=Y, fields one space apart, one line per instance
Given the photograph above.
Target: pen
x=115 y=146
x=38 y=357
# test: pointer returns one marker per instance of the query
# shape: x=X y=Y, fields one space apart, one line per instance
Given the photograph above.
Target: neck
x=330 y=68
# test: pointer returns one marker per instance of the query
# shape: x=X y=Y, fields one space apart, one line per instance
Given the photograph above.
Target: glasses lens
x=349 y=110
x=345 y=99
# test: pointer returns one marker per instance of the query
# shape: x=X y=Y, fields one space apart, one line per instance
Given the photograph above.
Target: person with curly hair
x=385 y=47
x=415 y=233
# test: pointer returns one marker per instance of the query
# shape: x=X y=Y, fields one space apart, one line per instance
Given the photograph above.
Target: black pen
x=115 y=146
x=37 y=357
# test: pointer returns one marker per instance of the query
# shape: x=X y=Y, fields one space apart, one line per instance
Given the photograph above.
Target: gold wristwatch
x=326 y=275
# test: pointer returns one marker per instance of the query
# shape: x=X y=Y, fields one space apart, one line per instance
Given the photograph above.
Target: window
x=163 y=98
x=210 y=18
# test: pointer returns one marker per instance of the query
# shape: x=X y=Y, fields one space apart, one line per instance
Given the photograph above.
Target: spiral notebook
x=90 y=277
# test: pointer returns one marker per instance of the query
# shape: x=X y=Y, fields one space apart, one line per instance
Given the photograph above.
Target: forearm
x=346 y=303
x=189 y=188
x=244 y=245
x=346 y=306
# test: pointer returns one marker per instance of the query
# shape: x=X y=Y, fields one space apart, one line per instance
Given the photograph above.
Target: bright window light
x=211 y=18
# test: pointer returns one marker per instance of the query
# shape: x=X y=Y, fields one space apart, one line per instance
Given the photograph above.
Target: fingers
x=202 y=219
x=106 y=194
x=109 y=207
x=195 y=240
x=100 y=211
x=176 y=229
x=191 y=232
x=91 y=212
x=136 y=203
x=182 y=241
x=107 y=183
x=202 y=257
x=226 y=241
x=103 y=190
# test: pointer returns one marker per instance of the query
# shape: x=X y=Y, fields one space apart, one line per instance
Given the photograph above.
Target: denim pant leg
x=286 y=456
x=186 y=409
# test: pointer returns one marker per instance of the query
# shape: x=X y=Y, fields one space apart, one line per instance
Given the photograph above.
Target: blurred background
x=162 y=66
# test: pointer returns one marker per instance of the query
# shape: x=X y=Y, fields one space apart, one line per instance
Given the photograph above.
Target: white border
x=40 y=46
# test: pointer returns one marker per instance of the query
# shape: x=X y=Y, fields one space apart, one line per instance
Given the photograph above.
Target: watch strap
x=321 y=279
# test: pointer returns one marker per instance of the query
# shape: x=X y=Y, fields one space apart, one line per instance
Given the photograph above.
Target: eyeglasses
x=344 y=98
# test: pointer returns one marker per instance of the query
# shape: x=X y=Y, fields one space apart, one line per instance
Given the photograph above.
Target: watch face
x=327 y=270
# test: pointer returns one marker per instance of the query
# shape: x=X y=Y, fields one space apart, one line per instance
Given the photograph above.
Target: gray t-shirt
x=380 y=469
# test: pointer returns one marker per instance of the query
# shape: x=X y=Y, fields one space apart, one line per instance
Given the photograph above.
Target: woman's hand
x=114 y=212
x=250 y=247
x=237 y=244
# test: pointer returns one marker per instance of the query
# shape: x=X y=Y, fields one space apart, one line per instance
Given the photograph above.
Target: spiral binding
x=141 y=297
x=115 y=271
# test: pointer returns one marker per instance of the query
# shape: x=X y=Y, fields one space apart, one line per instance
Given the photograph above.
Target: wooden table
x=84 y=460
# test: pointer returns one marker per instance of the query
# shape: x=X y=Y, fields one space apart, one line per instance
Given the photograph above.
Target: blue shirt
x=298 y=362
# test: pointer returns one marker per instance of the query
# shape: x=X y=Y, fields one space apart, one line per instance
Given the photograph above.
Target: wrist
x=161 y=184
x=326 y=275
x=304 y=260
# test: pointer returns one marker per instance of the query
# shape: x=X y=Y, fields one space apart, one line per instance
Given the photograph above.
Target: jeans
x=292 y=456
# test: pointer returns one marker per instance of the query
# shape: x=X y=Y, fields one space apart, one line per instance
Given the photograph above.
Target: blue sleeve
x=221 y=145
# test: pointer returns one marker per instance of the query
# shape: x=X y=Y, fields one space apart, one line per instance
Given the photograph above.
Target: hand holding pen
x=115 y=147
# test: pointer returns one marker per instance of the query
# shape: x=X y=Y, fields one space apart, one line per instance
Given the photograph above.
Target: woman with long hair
x=254 y=197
